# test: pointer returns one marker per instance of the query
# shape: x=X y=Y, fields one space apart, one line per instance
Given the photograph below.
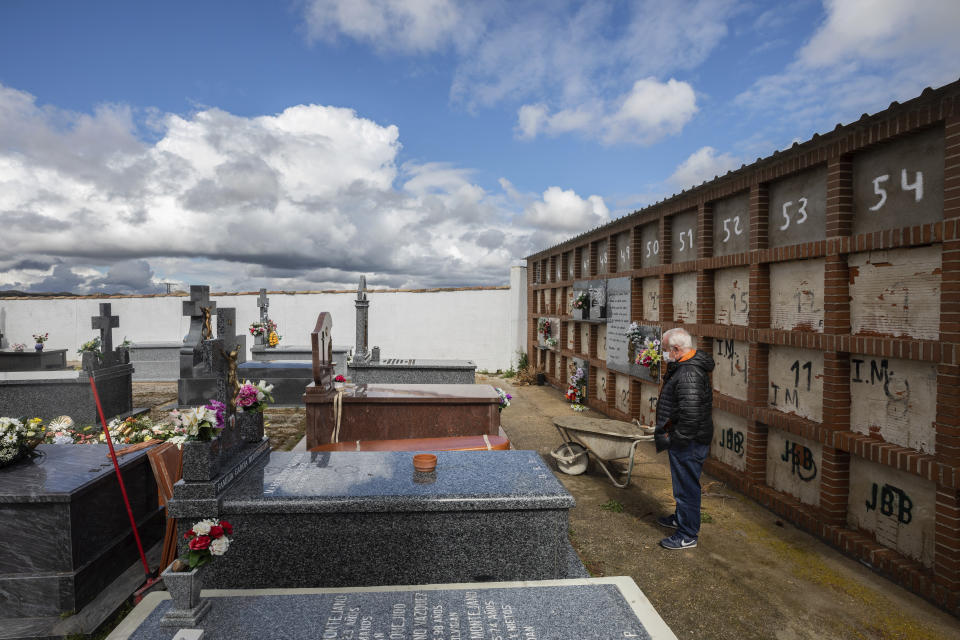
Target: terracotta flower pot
x=425 y=462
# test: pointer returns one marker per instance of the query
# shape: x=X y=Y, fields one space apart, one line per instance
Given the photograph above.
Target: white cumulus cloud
x=702 y=165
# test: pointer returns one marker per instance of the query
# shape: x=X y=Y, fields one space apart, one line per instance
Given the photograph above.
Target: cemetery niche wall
x=825 y=281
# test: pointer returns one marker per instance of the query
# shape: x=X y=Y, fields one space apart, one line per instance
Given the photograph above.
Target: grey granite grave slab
x=33 y=360
x=594 y=608
x=155 y=361
x=288 y=377
x=296 y=352
x=65 y=530
x=412 y=371
x=365 y=518
x=598 y=299
x=48 y=394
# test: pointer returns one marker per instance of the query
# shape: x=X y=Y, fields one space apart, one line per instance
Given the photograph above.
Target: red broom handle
x=123 y=488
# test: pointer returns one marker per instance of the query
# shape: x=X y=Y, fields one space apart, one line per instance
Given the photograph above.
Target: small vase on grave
x=201 y=460
x=38 y=346
x=184 y=588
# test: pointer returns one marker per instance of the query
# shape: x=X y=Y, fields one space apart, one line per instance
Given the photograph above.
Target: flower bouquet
x=138 y=429
x=18 y=346
x=198 y=424
x=91 y=346
x=650 y=357
x=273 y=339
x=544 y=328
x=551 y=342
x=339 y=378
x=582 y=301
x=505 y=399
x=576 y=392
x=18 y=438
x=262 y=329
x=207 y=538
x=40 y=338
x=254 y=397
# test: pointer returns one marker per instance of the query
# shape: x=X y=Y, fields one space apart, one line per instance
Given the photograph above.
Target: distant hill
x=10 y=293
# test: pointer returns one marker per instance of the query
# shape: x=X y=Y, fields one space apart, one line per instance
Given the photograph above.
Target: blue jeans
x=685 y=467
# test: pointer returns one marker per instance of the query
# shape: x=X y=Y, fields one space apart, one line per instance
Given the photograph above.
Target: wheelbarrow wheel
x=571 y=458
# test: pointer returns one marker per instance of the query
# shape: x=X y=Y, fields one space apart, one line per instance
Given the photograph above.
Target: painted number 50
x=786 y=216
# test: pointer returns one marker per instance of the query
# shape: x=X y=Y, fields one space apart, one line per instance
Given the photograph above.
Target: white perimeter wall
x=483 y=325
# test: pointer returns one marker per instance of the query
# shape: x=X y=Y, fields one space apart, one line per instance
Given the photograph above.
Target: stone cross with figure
x=264 y=303
x=199 y=308
x=106 y=323
x=221 y=357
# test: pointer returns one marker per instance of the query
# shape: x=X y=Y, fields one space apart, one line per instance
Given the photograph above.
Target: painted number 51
x=786 y=216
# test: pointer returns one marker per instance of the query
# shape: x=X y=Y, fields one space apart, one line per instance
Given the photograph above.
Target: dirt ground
x=751 y=577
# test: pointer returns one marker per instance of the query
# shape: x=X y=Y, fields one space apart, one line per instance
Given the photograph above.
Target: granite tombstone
x=578 y=609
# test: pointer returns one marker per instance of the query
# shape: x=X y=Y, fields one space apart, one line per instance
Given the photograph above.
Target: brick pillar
x=946 y=554
x=611 y=389
x=948 y=372
x=636 y=247
x=839 y=196
x=577 y=263
x=594 y=259
x=612 y=265
x=594 y=336
x=705 y=230
x=757 y=382
x=666 y=298
x=759 y=209
x=636 y=299
x=834 y=484
x=706 y=309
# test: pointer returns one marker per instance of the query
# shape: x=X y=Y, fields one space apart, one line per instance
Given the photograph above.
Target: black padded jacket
x=685 y=406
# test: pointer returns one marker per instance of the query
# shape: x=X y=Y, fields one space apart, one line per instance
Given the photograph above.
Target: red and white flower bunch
x=207 y=538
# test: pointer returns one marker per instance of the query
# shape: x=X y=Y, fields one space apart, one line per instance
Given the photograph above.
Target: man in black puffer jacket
x=685 y=428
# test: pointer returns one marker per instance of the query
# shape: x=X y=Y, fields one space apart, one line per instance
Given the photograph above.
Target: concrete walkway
x=752 y=575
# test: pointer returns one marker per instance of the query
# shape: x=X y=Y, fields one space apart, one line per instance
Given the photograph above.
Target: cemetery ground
x=752 y=576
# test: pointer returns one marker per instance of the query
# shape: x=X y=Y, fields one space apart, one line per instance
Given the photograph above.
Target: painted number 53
x=802 y=211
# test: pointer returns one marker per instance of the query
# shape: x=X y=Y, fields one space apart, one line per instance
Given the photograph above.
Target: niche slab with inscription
x=366 y=518
x=685 y=298
x=895 y=399
x=618 y=323
x=796 y=382
x=793 y=465
x=899 y=508
x=598 y=299
x=583 y=608
x=796 y=295
x=651 y=299
x=729 y=444
x=896 y=292
x=731 y=288
x=730 y=376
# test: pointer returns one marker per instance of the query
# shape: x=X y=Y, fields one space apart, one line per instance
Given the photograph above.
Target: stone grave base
x=155 y=361
x=48 y=394
x=419 y=371
x=391 y=411
x=367 y=518
x=586 y=608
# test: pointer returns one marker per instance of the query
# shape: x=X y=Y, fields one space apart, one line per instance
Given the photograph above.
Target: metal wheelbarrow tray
x=605 y=439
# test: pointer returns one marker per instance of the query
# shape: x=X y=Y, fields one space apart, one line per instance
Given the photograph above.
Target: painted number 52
x=786 y=215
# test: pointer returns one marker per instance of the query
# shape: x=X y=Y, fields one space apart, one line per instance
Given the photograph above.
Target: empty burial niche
x=649 y=392
x=685 y=298
x=683 y=230
x=623 y=393
x=796 y=382
x=894 y=399
x=730 y=374
x=796 y=295
x=731 y=225
x=731 y=289
x=729 y=444
x=896 y=506
x=793 y=465
x=601 y=385
x=798 y=208
x=899 y=183
x=602 y=341
x=896 y=293
x=651 y=299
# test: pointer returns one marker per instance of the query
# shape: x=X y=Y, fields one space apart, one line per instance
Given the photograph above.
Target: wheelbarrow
x=605 y=439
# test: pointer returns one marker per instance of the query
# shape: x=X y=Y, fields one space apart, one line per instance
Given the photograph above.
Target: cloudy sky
x=296 y=144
